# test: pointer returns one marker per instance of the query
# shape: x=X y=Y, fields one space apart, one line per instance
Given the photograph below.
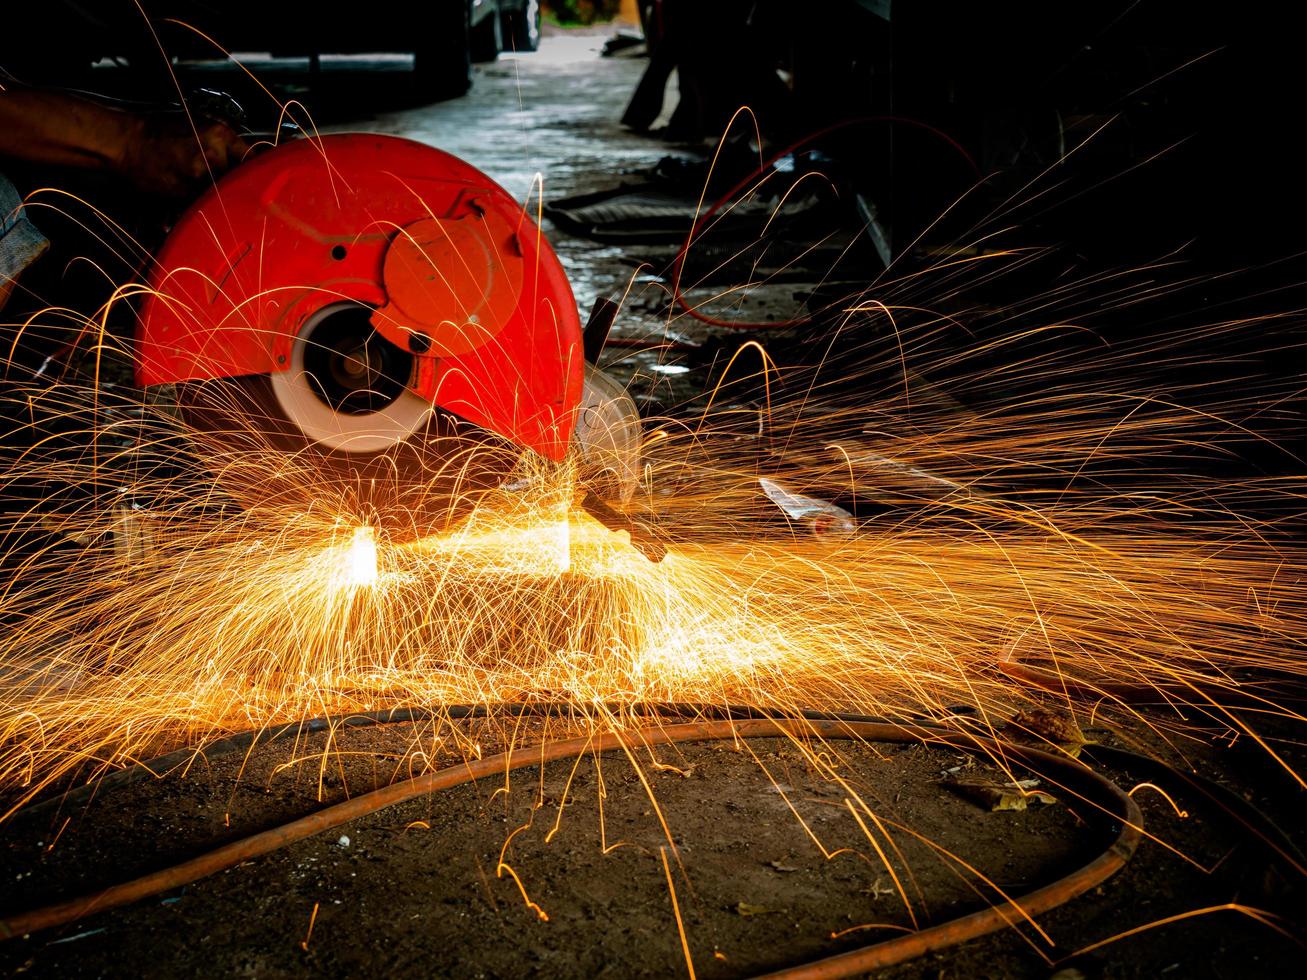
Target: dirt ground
x=416 y=887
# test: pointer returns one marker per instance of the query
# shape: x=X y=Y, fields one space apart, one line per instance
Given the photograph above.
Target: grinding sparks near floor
x=1060 y=528
x=247 y=620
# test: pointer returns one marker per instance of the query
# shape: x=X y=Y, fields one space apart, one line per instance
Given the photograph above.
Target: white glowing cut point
x=361 y=567
x=564 y=545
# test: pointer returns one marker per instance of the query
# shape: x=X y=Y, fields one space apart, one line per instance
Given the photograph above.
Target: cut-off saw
x=368 y=324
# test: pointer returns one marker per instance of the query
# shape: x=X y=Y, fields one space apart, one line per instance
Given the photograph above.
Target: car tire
x=521 y=27
x=486 y=39
x=442 y=63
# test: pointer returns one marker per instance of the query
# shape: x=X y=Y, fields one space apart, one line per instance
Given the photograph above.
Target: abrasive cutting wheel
x=341 y=431
x=368 y=326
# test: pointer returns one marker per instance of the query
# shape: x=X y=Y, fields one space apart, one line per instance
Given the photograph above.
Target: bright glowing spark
x=362 y=558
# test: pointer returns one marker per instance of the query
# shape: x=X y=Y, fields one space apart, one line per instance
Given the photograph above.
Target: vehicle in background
x=56 y=39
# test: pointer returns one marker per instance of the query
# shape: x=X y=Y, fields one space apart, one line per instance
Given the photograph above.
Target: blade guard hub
x=455 y=271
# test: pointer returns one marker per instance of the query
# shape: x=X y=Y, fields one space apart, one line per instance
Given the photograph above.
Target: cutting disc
x=341 y=434
x=364 y=325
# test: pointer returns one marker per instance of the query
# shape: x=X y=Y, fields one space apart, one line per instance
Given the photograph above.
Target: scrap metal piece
x=642 y=538
x=595 y=333
x=998 y=796
x=821 y=517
